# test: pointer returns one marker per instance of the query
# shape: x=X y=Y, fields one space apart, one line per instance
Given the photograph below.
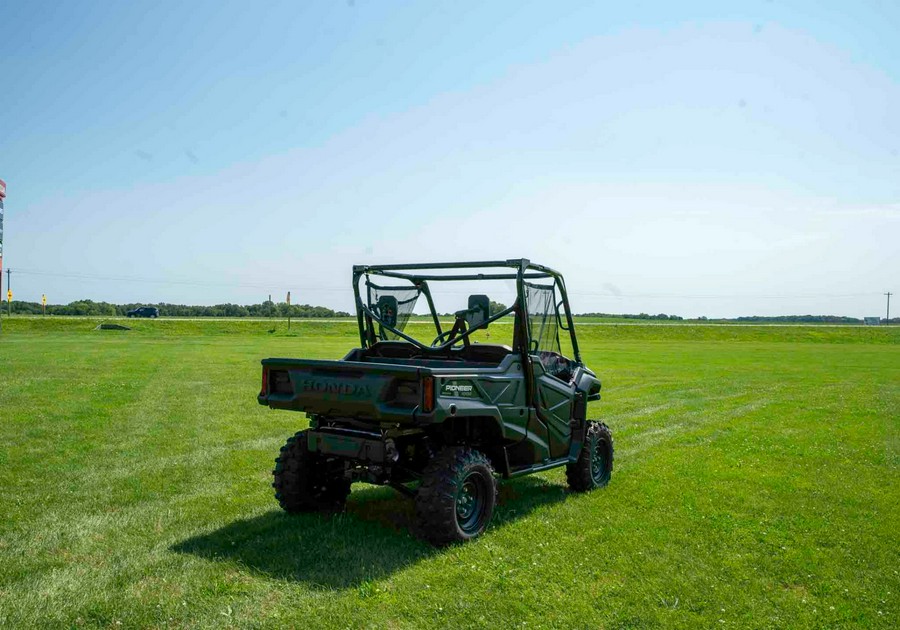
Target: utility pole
x=2 y=197
x=887 y=320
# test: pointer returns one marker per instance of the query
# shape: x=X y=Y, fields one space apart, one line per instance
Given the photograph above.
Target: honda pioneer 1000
x=436 y=410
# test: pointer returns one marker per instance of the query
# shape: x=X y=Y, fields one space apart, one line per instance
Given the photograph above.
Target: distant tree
x=497 y=307
x=24 y=308
x=269 y=309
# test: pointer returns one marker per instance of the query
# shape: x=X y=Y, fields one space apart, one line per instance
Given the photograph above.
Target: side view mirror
x=479 y=310
x=559 y=318
x=387 y=310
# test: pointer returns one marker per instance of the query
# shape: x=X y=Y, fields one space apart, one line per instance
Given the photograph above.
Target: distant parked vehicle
x=144 y=311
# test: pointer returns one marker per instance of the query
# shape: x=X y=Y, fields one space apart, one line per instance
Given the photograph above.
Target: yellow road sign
x=9 y=295
x=44 y=300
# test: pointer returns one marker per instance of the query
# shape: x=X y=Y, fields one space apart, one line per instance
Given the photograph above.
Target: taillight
x=265 y=382
x=428 y=394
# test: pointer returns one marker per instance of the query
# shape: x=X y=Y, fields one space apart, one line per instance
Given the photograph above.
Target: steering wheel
x=459 y=327
x=437 y=340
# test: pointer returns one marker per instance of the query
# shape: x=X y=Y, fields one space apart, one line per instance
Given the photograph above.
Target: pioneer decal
x=460 y=389
x=341 y=388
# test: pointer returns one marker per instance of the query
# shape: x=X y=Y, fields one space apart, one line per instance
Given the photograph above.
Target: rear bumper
x=365 y=448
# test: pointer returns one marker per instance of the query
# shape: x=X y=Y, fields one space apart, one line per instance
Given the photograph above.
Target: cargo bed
x=348 y=389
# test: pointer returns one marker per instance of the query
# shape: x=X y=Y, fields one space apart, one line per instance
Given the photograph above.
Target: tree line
x=264 y=309
x=281 y=309
x=803 y=319
x=659 y=317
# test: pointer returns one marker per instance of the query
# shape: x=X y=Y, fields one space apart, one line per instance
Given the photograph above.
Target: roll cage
x=377 y=320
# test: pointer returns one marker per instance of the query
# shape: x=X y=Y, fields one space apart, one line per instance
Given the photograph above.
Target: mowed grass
x=755 y=485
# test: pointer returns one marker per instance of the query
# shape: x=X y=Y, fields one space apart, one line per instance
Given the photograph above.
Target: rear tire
x=456 y=500
x=301 y=484
x=595 y=462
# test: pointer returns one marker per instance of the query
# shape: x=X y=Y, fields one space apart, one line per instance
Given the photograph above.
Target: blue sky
x=667 y=157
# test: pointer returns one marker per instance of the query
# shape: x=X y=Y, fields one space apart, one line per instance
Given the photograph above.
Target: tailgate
x=351 y=389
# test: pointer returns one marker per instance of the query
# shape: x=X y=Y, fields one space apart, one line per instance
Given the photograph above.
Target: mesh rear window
x=542 y=317
x=406 y=302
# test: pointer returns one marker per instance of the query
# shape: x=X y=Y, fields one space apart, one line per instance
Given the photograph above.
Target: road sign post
x=43 y=305
x=289 y=309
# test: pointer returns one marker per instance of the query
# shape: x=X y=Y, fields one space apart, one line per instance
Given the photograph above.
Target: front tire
x=456 y=500
x=593 y=469
x=301 y=480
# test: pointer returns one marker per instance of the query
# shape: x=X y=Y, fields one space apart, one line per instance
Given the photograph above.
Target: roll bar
x=521 y=269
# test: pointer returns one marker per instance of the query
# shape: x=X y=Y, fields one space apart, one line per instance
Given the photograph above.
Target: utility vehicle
x=437 y=409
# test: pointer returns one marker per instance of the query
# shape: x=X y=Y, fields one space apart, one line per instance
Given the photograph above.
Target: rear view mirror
x=479 y=310
x=386 y=308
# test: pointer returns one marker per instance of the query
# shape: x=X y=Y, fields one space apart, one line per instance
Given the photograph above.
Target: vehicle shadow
x=369 y=541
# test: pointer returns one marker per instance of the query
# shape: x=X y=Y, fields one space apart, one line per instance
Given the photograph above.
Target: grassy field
x=756 y=485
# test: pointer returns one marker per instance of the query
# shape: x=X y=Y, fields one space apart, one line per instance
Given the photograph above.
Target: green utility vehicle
x=438 y=409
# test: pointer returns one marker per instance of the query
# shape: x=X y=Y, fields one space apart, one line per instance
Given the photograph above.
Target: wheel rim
x=599 y=462
x=470 y=503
